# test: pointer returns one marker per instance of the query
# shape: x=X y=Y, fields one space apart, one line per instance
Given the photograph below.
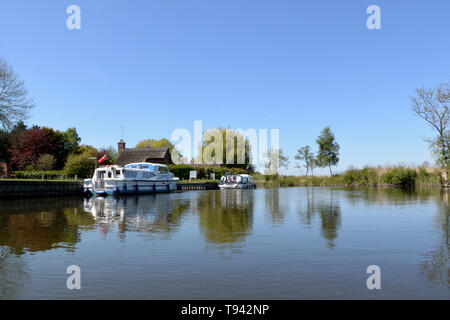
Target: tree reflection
x=327 y=207
x=308 y=212
x=226 y=217
x=31 y=226
x=42 y=227
x=276 y=208
x=437 y=268
x=330 y=215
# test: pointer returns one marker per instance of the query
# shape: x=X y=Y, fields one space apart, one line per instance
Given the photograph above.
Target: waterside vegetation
x=393 y=176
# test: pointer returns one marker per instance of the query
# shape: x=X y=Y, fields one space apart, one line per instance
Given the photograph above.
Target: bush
x=80 y=165
x=181 y=171
x=401 y=177
x=46 y=162
x=366 y=176
x=428 y=177
x=38 y=175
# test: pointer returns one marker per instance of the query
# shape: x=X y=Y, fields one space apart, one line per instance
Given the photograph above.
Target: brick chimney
x=120 y=147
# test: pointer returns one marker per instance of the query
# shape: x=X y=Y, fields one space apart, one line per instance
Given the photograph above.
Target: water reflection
x=226 y=217
x=324 y=204
x=40 y=225
x=436 y=267
x=13 y=275
x=275 y=207
x=146 y=214
x=390 y=196
x=310 y=230
x=307 y=208
x=330 y=216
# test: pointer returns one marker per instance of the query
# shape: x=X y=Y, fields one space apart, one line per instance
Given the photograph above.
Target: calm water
x=290 y=243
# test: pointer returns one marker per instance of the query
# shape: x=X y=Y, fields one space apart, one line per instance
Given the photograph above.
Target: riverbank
x=36 y=188
x=15 y=188
x=399 y=176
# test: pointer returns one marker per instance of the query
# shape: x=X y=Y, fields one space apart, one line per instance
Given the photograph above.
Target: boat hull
x=224 y=186
x=123 y=187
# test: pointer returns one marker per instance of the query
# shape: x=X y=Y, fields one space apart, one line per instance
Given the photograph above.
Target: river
x=286 y=243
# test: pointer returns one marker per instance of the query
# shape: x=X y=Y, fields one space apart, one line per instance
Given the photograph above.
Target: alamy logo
x=74 y=280
x=374 y=20
x=374 y=281
x=74 y=20
x=227 y=146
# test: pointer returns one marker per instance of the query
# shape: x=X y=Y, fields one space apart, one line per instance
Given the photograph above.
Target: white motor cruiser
x=236 y=181
x=134 y=178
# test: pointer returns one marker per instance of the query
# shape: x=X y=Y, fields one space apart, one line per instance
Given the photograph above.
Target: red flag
x=102 y=159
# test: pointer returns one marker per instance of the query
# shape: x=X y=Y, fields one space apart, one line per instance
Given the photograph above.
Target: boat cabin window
x=109 y=174
x=117 y=173
x=130 y=174
x=147 y=175
x=163 y=169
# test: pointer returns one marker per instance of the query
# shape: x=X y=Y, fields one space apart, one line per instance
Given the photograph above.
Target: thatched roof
x=142 y=155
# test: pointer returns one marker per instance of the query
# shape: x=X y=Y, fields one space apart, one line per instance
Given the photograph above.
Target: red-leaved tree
x=30 y=144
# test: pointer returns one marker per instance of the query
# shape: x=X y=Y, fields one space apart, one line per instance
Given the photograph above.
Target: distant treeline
x=398 y=176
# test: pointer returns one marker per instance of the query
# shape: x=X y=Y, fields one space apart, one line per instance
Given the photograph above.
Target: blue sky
x=297 y=66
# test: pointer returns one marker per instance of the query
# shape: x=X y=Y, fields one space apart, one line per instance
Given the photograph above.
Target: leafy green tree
x=152 y=143
x=81 y=165
x=71 y=141
x=46 y=162
x=5 y=144
x=89 y=149
x=231 y=145
x=328 y=154
x=6 y=137
x=305 y=155
x=111 y=154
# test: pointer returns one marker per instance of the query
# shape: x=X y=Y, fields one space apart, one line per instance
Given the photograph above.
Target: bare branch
x=15 y=102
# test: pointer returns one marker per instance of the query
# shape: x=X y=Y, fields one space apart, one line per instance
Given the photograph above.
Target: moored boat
x=134 y=178
x=236 y=181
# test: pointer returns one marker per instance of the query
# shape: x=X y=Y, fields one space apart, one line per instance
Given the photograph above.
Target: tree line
x=44 y=149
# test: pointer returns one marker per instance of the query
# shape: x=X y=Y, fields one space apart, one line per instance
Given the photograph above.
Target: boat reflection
x=148 y=214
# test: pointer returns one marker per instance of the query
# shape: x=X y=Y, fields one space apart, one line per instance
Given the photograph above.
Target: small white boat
x=134 y=178
x=236 y=181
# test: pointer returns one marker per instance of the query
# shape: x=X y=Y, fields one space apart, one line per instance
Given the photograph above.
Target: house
x=154 y=155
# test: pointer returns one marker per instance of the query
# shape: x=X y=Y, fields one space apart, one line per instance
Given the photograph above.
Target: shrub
x=180 y=170
x=428 y=177
x=401 y=177
x=80 y=165
x=38 y=175
x=45 y=162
